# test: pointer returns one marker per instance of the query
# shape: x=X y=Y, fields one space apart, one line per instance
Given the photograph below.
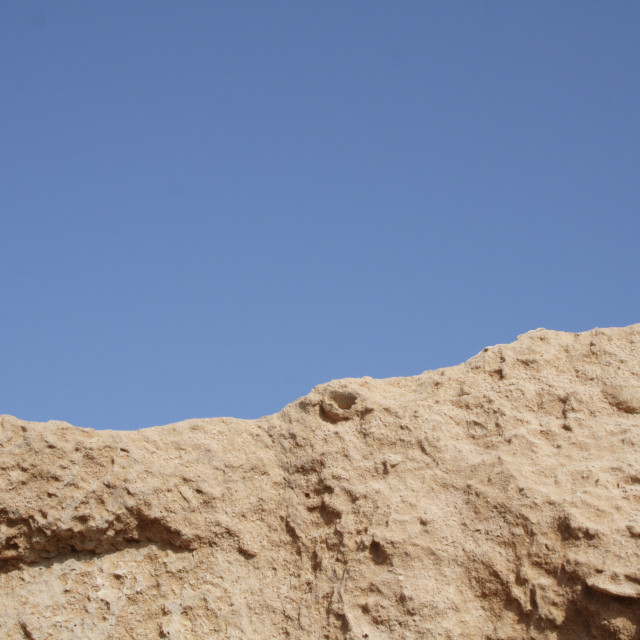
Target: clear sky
x=207 y=208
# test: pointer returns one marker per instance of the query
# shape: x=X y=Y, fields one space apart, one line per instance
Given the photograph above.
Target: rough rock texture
x=499 y=499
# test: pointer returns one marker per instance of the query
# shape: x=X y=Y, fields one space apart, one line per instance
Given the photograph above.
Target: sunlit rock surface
x=498 y=499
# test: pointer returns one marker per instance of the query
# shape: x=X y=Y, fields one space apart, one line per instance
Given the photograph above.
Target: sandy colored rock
x=496 y=500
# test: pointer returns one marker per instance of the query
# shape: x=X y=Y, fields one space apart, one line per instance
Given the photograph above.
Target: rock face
x=496 y=500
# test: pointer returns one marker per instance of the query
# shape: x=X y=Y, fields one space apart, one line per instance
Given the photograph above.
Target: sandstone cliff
x=498 y=499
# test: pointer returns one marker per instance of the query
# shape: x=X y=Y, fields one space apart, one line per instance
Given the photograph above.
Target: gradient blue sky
x=209 y=208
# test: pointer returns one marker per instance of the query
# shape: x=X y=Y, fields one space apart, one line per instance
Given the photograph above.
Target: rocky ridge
x=497 y=500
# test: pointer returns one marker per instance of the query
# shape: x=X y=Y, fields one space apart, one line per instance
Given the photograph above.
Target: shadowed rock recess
x=496 y=500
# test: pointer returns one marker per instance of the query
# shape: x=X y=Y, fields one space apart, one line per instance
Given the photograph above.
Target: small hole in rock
x=344 y=399
x=379 y=554
x=328 y=514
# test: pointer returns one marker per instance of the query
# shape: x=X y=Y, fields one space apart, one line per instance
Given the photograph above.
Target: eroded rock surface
x=495 y=500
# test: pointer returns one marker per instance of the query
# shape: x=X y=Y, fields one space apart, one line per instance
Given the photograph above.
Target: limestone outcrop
x=494 y=500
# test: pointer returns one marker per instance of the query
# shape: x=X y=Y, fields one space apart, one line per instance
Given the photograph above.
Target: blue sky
x=208 y=208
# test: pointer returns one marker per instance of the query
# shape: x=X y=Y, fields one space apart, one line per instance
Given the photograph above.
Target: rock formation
x=494 y=500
